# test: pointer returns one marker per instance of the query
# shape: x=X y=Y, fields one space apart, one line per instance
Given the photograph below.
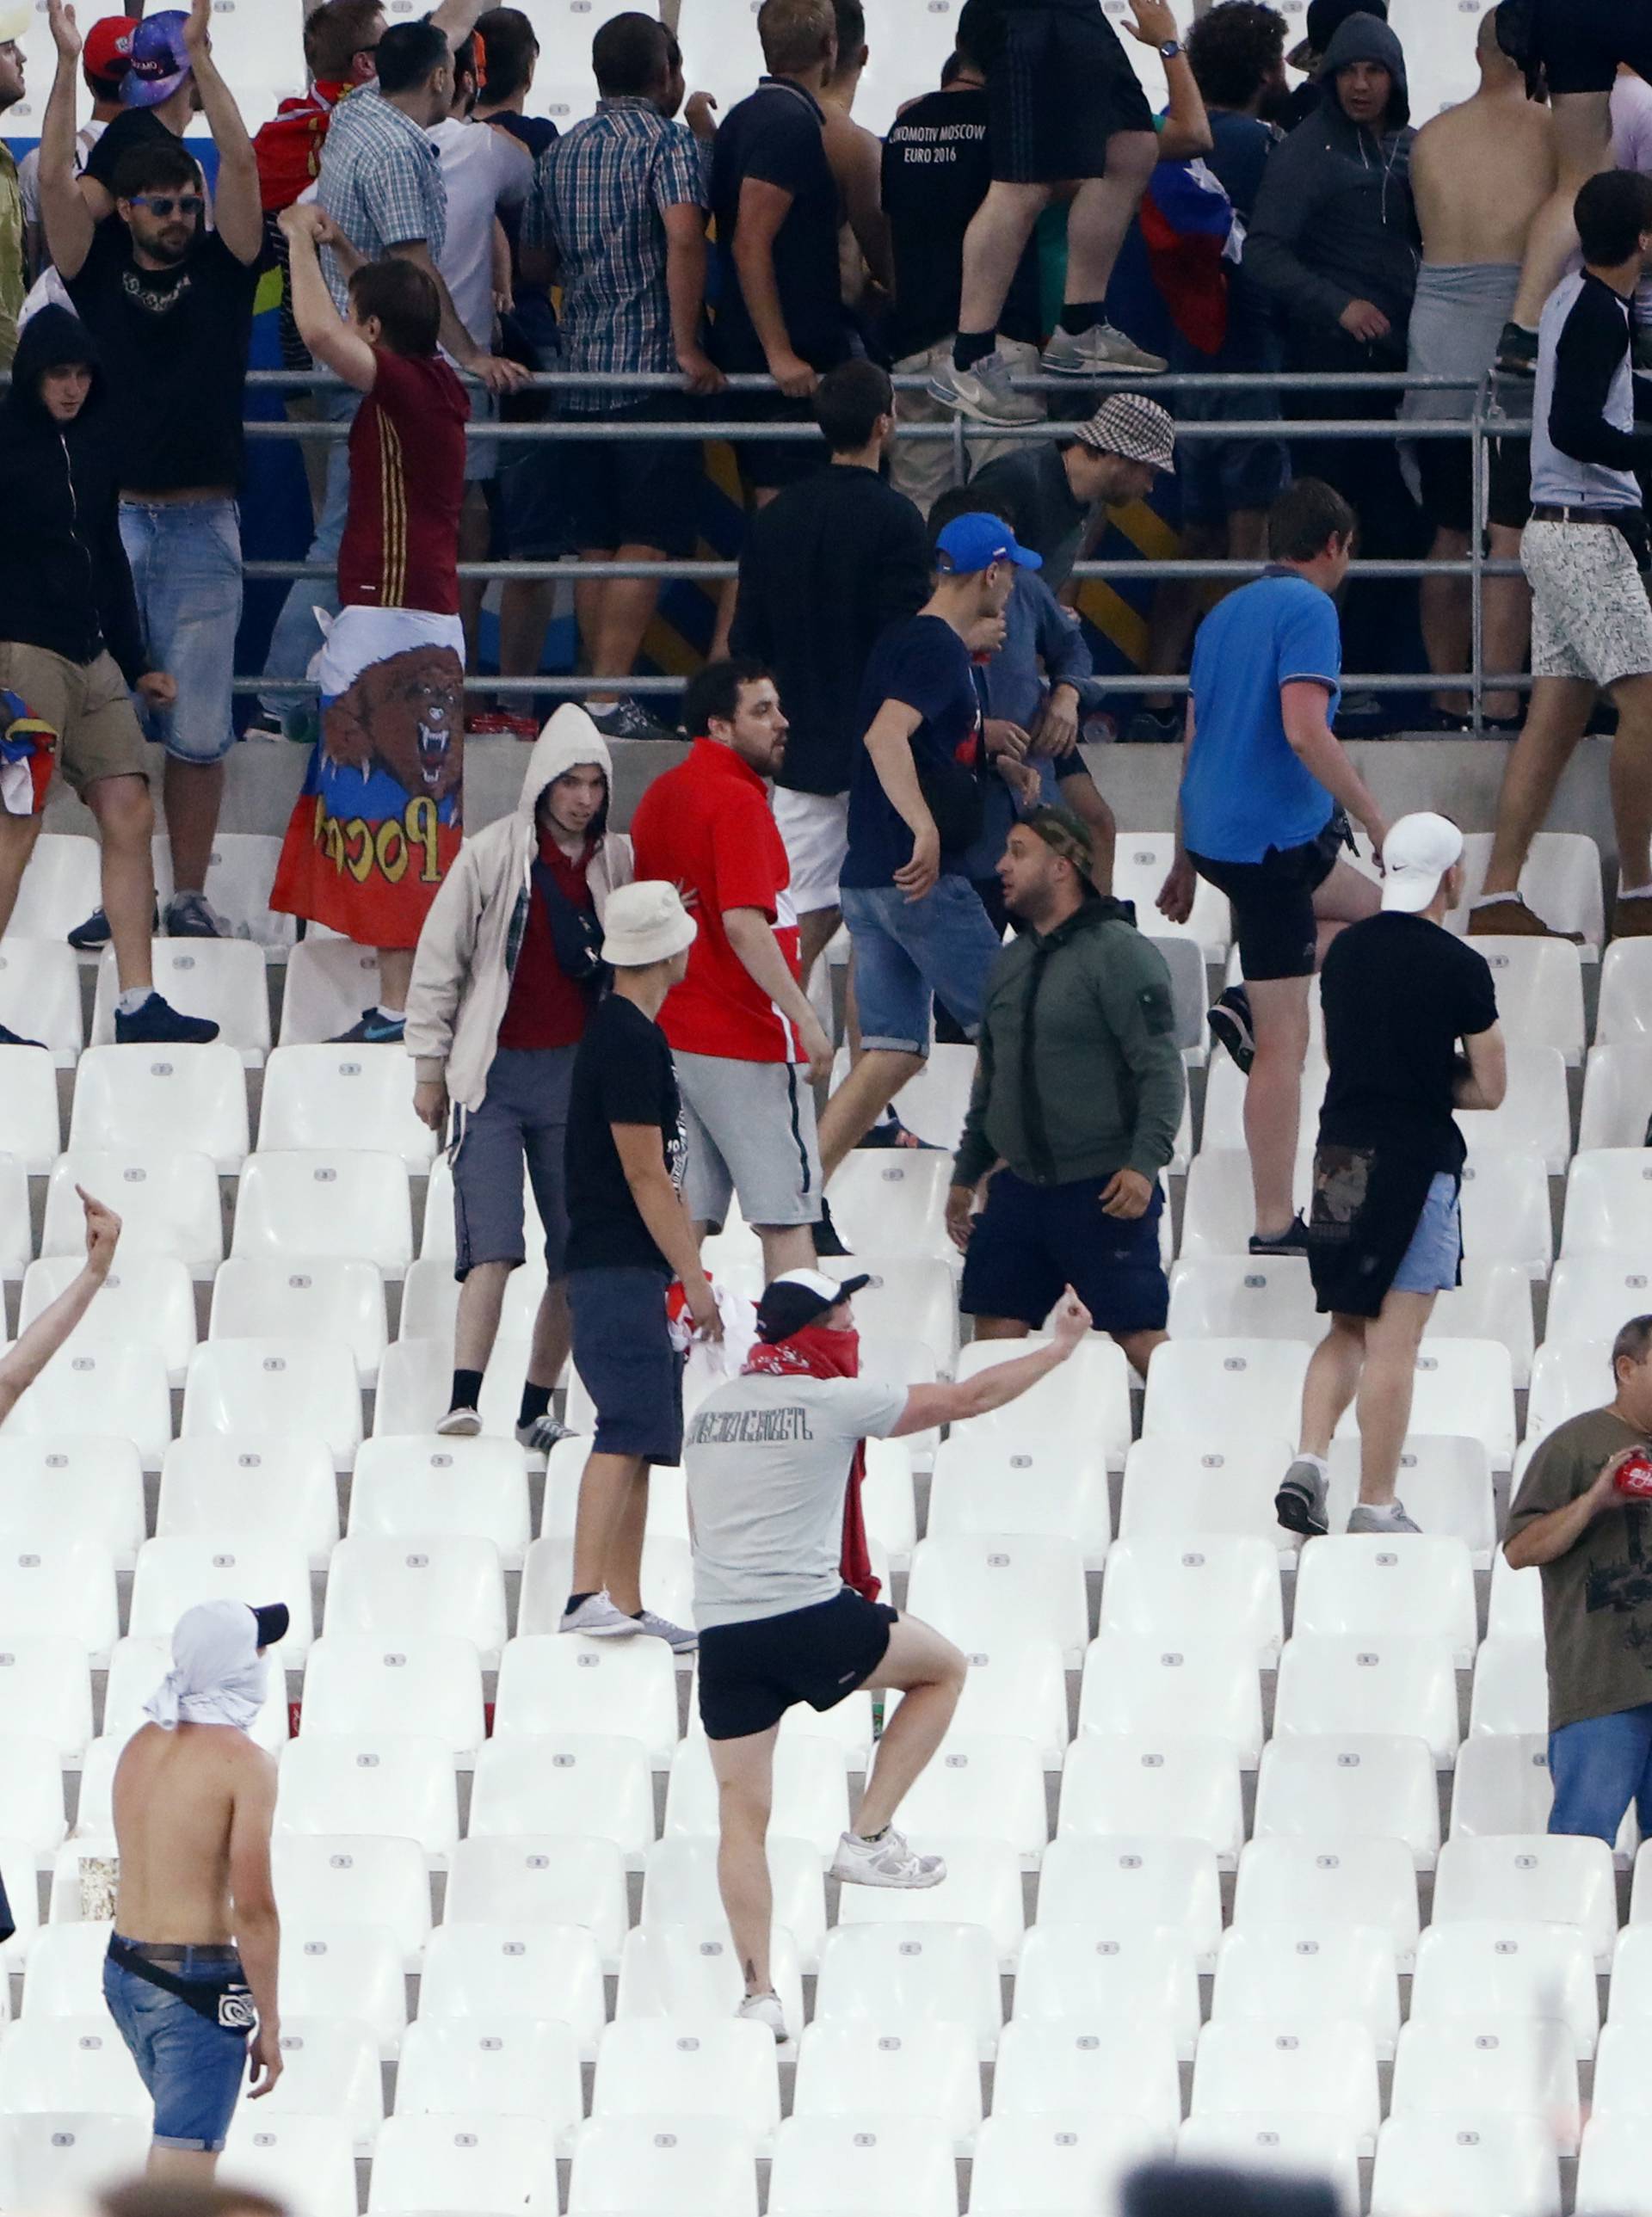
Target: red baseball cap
x=106 y=55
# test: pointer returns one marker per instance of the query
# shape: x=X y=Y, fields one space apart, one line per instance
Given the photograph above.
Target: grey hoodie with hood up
x=1334 y=220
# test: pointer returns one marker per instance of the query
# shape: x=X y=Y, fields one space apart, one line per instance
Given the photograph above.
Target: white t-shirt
x=484 y=171
x=767 y=1461
x=29 y=170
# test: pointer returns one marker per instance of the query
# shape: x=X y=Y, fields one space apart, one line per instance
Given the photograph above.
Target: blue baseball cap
x=975 y=542
x=160 y=61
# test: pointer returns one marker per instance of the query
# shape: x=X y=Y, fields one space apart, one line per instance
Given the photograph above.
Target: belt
x=1612 y=518
x=173 y=1951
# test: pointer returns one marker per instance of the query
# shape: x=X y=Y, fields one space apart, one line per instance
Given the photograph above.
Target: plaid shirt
x=598 y=204
x=381 y=182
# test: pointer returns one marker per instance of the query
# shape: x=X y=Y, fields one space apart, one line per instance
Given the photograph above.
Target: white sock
x=1493 y=901
x=393 y=1015
x=1318 y=1461
x=134 y=997
x=1636 y=893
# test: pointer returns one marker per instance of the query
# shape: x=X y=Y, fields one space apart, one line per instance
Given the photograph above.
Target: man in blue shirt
x=916 y=923
x=1265 y=785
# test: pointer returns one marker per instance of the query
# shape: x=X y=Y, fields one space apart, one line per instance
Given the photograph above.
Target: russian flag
x=1191 y=230
x=27 y=747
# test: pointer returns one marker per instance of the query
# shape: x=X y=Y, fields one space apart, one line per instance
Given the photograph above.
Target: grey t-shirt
x=767 y=1460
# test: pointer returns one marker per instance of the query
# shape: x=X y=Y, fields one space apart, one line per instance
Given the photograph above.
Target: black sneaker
x=158 y=1021
x=375 y=1029
x=94 y=935
x=890 y=1132
x=1300 y=1503
x=1293 y=1241
x=10 y=1038
x=827 y=1240
x=1517 y=352
x=1229 y=1019
x=626 y=719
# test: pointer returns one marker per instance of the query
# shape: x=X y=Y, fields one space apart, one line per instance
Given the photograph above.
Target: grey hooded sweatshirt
x=1334 y=221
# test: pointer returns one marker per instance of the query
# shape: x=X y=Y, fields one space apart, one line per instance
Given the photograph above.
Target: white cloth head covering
x=218 y=1676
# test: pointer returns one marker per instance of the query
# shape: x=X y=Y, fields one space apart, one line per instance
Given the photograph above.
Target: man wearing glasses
x=170 y=304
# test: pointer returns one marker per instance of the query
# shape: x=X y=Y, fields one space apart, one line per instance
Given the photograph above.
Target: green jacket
x=1078 y=1074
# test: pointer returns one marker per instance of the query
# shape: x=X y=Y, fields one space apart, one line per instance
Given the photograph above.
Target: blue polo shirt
x=1244 y=790
x=924 y=663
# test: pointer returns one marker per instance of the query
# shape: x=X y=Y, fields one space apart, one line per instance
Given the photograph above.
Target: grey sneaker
x=1300 y=1503
x=1101 y=351
x=460 y=1425
x=763 y=2010
x=192 y=916
x=1391 y=1518
x=543 y=1434
x=677 y=1637
x=598 y=1619
x=887 y=1862
x=984 y=393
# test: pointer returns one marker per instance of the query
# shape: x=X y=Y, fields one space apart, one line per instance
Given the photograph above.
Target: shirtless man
x=855 y=155
x=1480 y=175
x=22 y=1364
x=193 y=1955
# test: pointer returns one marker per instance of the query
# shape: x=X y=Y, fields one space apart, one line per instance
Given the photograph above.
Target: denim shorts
x=523 y=1120
x=186 y=571
x=907 y=954
x=622 y=1350
x=191 y=2067
x=1431 y=1262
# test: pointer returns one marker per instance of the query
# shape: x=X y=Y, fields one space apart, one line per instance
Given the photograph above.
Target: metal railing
x=701 y=421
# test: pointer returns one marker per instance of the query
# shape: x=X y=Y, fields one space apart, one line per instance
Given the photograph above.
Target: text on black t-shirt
x=936 y=172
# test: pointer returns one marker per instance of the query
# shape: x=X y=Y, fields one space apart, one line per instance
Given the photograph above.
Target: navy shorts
x=751 y=1674
x=1272 y=902
x=1030 y=1242
x=191 y=2068
x=631 y=492
x=523 y=1120
x=622 y=1350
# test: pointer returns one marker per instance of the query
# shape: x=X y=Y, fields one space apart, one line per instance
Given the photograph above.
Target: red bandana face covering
x=815 y=1352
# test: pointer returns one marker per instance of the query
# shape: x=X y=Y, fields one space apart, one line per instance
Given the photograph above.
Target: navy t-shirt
x=775 y=136
x=924 y=664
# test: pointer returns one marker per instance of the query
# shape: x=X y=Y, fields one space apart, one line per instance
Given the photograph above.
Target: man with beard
x=169 y=303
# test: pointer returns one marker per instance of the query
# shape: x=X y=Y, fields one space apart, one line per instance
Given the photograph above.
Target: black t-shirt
x=926 y=665
x=173 y=344
x=622 y=1074
x=936 y=172
x=132 y=126
x=1399 y=994
x=775 y=135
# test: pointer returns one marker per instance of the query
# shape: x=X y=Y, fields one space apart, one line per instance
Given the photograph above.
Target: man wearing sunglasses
x=169 y=303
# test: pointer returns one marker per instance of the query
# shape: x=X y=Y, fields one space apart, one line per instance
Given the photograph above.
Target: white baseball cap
x=1416 y=855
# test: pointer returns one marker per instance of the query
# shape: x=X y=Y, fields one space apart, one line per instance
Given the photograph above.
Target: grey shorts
x=1590 y=616
x=750 y=1127
x=523 y=1118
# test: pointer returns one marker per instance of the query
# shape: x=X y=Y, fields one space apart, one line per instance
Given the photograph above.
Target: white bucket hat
x=645 y=922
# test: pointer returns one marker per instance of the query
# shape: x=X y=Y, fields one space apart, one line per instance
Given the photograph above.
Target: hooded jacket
x=472 y=937
x=64 y=582
x=1334 y=221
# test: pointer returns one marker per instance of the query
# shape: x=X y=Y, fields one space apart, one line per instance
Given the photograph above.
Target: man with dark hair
x=1266 y=789
x=104 y=61
x=1582 y=553
x=170 y=303
x=1580 y=1515
x=1077 y=1094
x=618 y=218
x=841 y=541
x=775 y=205
x=1059 y=489
x=748 y=1046
x=1324 y=18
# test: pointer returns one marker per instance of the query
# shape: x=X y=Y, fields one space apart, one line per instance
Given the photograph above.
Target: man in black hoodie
x=70 y=645
x=1334 y=245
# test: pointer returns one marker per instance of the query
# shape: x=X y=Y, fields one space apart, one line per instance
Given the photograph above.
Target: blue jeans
x=1599 y=1766
x=186 y=572
x=296 y=638
x=191 y=2068
x=906 y=953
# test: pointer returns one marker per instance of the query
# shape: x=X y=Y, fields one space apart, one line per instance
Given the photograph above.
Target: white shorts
x=1590 y=616
x=815 y=827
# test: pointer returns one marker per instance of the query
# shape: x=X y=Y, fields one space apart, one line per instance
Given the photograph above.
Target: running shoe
x=763 y=2010
x=1229 y=1019
x=460 y=1425
x=1292 y=1241
x=1102 y=351
x=1300 y=1503
x=92 y=936
x=375 y=1029
x=1391 y=1517
x=10 y=1038
x=192 y=916
x=627 y=719
x=543 y=1434
x=158 y=1024
x=677 y=1637
x=888 y=1861
x=984 y=393
x=598 y=1619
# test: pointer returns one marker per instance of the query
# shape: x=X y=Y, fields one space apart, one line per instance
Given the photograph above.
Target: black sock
x=535 y=1400
x=1079 y=315
x=574 y=1602
x=466 y=1389
x=971 y=346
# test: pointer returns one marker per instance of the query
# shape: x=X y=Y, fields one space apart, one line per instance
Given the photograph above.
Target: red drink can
x=1634 y=1480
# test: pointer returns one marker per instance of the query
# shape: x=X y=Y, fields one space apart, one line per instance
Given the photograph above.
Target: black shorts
x=771 y=465
x=1580 y=43
x=1273 y=905
x=1058 y=86
x=1447 y=469
x=751 y=1674
x=631 y=492
x=1029 y=1242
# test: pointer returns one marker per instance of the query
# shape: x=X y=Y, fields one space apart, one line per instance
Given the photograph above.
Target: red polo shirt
x=709 y=828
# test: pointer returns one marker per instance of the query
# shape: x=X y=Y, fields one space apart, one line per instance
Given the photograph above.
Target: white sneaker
x=1101 y=351
x=765 y=2010
x=984 y=393
x=598 y=1619
x=460 y=1425
x=544 y=1433
x=887 y=1862
x=1390 y=1517
x=676 y=1637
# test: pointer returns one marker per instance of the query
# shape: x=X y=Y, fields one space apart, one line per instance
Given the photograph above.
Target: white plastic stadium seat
x=77 y=1485
x=990 y=1788
x=56 y=2158
x=887 y=1203
x=341 y=1096
x=1141 y=864
x=40 y=995
x=222 y=980
x=59 y=1587
x=1223 y=1487
x=1084 y=2066
x=1198 y=1589
x=1592 y=1296
x=667 y=1580
x=1465 y=2162
x=1088 y=1398
x=118 y=1385
x=285 y=1488
x=1616 y=1094
x=650 y=2064
x=693 y=2167
x=1199 y=1386
x=46 y=1691
x=241 y=870
x=1069 y=2165
x=1224 y=1099
x=498 y=2066
x=1369 y=1682
x=810 y=1792
x=289 y=1388
x=1242 y=1297
x=279 y=1298
x=361 y=1686
x=1535 y=1110
x=1493 y=1302
x=865 y=2161
x=1492 y=2062
x=983 y=1887
x=566 y=1781
x=306 y=2164
x=1625 y=1009
x=691 y=1972
x=330 y=2068
x=1132 y=1880
x=1148 y=1682
x=679 y=1886
x=1095 y=1975
x=1275 y=2141
x=173 y=1574
x=982 y=1588
x=1360 y=1583
x=1464 y=1385
x=1322 y=2066
x=329 y=983
x=1612 y=2166
x=352 y=1972
x=923 y=2070
x=1496 y=1966
x=1447 y=1486
x=29 y=1107
x=65 y=1972
x=1539 y=992
x=398 y=1784
x=489 y=1970
x=60 y=887
x=1219 y=1213
x=147 y=1296
x=315 y=1200
x=1505 y=1196
x=1015 y=1685
x=430 y=1292
x=16 y=1232
x=911 y=1972
x=987 y=1481
x=549 y=1683
x=1307 y=1968
x=79 y=2063
x=464 y=2162
x=1367 y=1784
x=405 y=1589
x=345 y=1878
x=1510 y=1688
x=33 y=1779
x=1502 y=1785
x=1568 y=1377
x=1173 y=1786
x=192 y=1099
x=168 y=1204
x=1608 y=1201
x=1334 y=1877
x=442 y=1488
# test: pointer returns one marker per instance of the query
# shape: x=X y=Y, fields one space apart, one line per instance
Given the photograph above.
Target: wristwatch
x=1170 y=49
